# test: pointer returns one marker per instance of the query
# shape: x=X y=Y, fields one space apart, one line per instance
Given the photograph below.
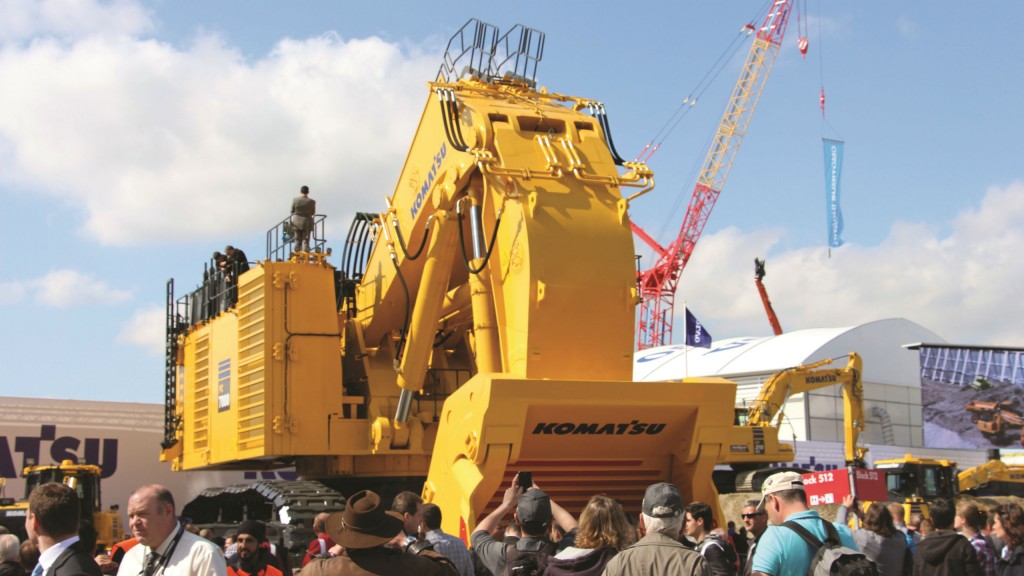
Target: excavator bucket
x=579 y=438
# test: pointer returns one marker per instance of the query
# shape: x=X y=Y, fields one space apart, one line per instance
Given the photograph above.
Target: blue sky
x=138 y=137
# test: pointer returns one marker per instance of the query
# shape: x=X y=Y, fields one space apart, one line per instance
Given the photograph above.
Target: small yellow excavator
x=758 y=425
x=85 y=479
x=993 y=478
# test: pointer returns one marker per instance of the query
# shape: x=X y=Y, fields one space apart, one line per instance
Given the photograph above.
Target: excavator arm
x=766 y=410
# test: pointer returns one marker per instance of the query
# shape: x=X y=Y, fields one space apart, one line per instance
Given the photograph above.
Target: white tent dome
x=880 y=343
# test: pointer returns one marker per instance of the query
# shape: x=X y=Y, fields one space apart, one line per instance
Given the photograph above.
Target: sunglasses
x=751 y=516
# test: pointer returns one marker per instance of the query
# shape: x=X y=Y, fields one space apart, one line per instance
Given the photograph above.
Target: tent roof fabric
x=880 y=343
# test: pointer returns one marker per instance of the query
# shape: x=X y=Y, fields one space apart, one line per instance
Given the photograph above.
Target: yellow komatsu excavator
x=758 y=424
x=85 y=479
x=499 y=339
x=993 y=478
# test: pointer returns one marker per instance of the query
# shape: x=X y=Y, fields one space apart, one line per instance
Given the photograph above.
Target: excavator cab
x=85 y=479
x=917 y=481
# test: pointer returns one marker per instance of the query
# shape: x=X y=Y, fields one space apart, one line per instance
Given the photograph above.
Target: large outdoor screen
x=972 y=397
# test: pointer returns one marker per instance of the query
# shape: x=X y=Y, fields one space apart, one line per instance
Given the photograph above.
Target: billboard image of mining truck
x=972 y=397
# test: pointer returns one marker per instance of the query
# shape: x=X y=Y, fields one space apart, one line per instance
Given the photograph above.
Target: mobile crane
x=85 y=479
x=758 y=424
x=768 y=308
x=502 y=342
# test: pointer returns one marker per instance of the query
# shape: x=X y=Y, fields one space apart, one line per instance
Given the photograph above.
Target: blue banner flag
x=833 y=172
x=696 y=334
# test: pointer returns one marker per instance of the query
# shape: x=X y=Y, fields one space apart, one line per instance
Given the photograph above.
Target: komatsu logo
x=630 y=428
x=821 y=379
x=417 y=202
x=49 y=447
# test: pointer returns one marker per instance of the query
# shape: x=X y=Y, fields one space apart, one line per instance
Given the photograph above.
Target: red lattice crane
x=658 y=284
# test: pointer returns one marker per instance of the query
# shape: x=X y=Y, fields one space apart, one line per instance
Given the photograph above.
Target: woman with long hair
x=879 y=539
x=1008 y=526
x=970 y=521
x=603 y=531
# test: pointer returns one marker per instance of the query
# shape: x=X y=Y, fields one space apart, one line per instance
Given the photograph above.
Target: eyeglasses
x=751 y=516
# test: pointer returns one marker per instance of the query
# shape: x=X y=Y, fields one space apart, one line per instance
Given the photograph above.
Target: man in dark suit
x=52 y=525
x=303 y=210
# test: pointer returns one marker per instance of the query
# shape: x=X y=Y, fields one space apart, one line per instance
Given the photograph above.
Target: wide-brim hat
x=364 y=523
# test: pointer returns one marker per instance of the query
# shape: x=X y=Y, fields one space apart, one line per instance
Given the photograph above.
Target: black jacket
x=946 y=553
x=74 y=561
x=12 y=569
x=720 y=555
x=590 y=564
x=1013 y=565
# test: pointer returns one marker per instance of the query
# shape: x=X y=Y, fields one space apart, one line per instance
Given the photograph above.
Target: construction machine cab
x=84 y=478
x=917 y=481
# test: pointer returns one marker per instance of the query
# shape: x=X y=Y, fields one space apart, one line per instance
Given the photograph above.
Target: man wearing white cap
x=781 y=551
x=659 y=551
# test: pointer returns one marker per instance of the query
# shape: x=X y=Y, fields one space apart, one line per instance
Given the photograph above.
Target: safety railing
x=281 y=239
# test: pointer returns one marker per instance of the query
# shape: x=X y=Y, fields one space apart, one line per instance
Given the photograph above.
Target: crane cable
x=697 y=92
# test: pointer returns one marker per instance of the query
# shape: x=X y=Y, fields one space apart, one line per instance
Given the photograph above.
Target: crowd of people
x=531 y=534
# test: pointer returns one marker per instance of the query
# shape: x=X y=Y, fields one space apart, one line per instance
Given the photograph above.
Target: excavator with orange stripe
x=482 y=324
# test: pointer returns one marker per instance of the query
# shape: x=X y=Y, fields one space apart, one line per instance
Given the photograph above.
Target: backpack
x=527 y=558
x=727 y=551
x=831 y=557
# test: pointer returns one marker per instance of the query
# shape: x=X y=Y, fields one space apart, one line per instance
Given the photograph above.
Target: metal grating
x=251 y=365
x=572 y=483
x=201 y=396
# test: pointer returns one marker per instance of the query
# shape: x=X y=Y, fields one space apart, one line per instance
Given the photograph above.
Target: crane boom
x=658 y=284
x=768 y=308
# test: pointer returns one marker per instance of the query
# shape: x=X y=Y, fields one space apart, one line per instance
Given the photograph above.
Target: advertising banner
x=833 y=173
x=831 y=486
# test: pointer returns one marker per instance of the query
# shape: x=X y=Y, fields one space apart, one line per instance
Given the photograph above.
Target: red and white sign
x=831 y=486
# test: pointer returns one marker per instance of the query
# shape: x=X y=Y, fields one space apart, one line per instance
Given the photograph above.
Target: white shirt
x=46 y=559
x=192 y=556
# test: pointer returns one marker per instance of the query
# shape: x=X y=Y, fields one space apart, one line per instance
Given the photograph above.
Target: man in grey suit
x=303 y=209
x=52 y=525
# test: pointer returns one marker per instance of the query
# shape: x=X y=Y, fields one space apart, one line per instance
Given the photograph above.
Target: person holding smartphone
x=533 y=512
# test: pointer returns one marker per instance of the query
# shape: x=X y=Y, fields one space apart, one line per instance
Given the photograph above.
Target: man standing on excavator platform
x=303 y=209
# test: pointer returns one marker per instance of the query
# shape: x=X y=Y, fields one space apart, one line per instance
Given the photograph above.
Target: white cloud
x=146 y=330
x=70 y=289
x=962 y=283
x=161 y=144
x=23 y=19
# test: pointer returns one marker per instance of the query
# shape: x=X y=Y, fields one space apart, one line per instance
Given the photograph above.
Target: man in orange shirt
x=252 y=559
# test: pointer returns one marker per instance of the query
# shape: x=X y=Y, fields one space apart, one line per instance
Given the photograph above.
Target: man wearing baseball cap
x=534 y=511
x=659 y=551
x=782 y=551
x=364 y=530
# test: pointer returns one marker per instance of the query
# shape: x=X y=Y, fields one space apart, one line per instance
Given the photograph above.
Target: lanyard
x=166 y=556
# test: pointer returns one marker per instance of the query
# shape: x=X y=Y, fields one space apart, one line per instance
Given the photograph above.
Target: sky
x=136 y=137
